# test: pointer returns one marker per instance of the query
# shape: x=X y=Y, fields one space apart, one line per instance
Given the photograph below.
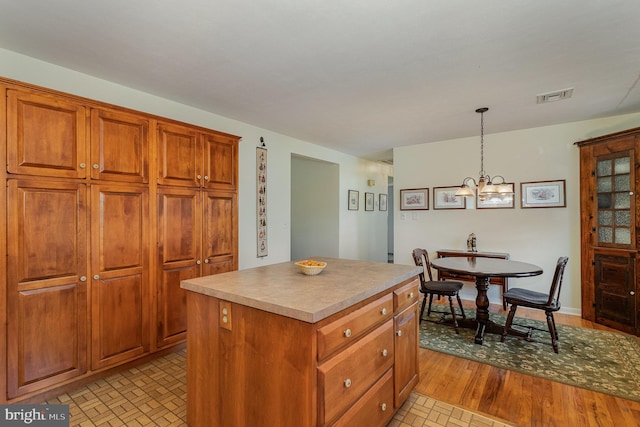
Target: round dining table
x=483 y=269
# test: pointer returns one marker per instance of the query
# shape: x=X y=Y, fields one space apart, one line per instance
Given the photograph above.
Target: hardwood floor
x=521 y=399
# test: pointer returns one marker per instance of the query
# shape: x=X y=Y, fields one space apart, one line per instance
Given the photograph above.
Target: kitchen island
x=269 y=346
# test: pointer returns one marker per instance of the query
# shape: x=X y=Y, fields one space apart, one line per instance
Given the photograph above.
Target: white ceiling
x=358 y=76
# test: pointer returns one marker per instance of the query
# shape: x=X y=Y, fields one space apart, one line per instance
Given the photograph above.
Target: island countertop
x=283 y=289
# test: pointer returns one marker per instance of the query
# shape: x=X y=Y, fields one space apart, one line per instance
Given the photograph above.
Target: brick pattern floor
x=154 y=394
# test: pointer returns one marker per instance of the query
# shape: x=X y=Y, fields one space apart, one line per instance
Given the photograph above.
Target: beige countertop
x=283 y=289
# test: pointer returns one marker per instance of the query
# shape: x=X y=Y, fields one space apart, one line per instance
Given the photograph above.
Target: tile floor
x=154 y=394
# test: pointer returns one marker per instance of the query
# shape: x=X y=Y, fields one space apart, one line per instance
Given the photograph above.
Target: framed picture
x=354 y=200
x=445 y=198
x=382 y=204
x=543 y=194
x=499 y=202
x=368 y=201
x=414 y=199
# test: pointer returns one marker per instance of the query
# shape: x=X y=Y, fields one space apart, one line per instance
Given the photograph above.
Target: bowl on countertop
x=311 y=267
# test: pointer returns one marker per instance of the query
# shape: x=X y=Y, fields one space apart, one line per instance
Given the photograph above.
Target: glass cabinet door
x=615 y=220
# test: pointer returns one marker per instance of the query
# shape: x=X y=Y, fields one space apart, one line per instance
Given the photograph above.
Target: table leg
x=482 y=308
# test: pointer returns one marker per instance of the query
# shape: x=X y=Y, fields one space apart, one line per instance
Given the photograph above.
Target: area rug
x=601 y=361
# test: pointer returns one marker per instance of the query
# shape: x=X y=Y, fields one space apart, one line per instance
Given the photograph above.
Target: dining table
x=483 y=269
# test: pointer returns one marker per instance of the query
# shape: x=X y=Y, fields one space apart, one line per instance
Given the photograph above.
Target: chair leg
x=424 y=302
x=552 y=331
x=460 y=304
x=430 y=301
x=453 y=314
x=507 y=325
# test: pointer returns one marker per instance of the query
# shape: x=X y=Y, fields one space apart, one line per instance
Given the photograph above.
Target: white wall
x=538 y=236
x=362 y=234
x=315 y=208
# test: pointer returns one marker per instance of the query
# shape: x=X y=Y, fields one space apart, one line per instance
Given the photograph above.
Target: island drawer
x=406 y=295
x=344 y=378
x=374 y=409
x=350 y=327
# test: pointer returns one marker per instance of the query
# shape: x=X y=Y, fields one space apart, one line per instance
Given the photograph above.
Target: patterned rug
x=605 y=362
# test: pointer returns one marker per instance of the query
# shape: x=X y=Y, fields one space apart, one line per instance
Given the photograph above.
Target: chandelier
x=488 y=188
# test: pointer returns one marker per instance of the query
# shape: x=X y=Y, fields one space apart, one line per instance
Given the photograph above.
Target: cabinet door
x=220 y=233
x=179 y=258
x=220 y=161
x=179 y=156
x=45 y=136
x=47 y=288
x=119 y=146
x=615 y=204
x=406 y=348
x=120 y=267
x=615 y=301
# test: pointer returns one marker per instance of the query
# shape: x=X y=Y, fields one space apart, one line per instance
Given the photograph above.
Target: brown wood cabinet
x=46 y=283
x=107 y=210
x=609 y=219
x=354 y=368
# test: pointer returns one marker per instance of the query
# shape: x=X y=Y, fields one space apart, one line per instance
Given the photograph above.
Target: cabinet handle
x=347 y=333
x=384 y=353
x=83 y=278
x=411 y=295
x=199 y=176
x=83 y=165
x=206 y=178
x=347 y=383
x=95 y=276
x=383 y=406
x=198 y=262
x=399 y=333
x=96 y=166
x=632 y=293
x=206 y=261
x=383 y=311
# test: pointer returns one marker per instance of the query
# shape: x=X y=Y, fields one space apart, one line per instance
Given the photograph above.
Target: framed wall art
x=543 y=194
x=354 y=200
x=368 y=201
x=261 y=201
x=382 y=203
x=500 y=202
x=414 y=199
x=445 y=198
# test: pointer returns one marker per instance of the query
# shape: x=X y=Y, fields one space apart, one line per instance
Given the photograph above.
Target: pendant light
x=486 y=187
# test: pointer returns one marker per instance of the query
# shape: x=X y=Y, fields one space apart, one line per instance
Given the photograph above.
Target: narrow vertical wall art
x=261 y=199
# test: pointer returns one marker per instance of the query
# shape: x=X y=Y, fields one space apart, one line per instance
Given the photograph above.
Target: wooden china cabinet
x=108 y=209
x=609 y=189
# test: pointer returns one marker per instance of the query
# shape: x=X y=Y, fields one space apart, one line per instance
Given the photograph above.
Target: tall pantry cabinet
x=609 y=188
x=107 y=209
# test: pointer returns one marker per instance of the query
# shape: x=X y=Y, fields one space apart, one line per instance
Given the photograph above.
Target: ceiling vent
x=554 y=96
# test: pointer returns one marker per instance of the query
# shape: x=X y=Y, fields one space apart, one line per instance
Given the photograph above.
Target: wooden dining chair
x=549 y=302
x=441 y=288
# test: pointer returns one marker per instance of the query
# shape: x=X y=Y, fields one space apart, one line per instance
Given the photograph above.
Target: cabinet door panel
x=46 y=272
x=179 y=243
x=179 y=156
x=120 y=268
x=614 y=282
x=220 y=228
x=119 y=146
x=406 y=345
x=172 y=304
x=220 y=161
x=45 y=136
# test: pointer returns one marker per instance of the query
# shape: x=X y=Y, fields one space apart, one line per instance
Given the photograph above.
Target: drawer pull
x=347 y=383
x=347 y=333
x=383 y=406
x=399 y=333
x=383 y=311
x=411 y=295
x=384 y=353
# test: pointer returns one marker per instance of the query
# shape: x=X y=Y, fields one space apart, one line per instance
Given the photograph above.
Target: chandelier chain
x=482 y=174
